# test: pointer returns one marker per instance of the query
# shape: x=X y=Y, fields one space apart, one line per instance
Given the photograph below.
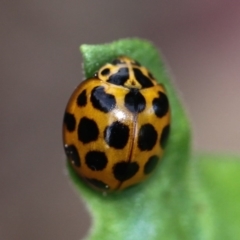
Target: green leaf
x=219 y=179
x=175 y=202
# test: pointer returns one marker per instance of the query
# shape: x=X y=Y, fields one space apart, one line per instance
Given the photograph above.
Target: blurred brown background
x=41 y=65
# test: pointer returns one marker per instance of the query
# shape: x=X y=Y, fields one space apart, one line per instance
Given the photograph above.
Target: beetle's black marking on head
x=117 y=61
x=116 y=135
x=87 y=130
x=160 y=105
x=142 y=79
x=120 y=77
x=134 y=101
x=105 y=71
x=96 y=160
x=101 y=100
x=82 y=99
x=72 y=154
x=147 y=137
x=150 y=164
x=164 y=136
x=125 y=170
x=69 y=121
x=97 y=183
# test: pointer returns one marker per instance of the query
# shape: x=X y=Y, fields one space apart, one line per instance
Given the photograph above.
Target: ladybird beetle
x=116 y=125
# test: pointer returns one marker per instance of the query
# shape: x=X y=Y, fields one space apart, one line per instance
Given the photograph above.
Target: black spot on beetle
x=125 y=170
x=82 y=99
x=164 y=136
x=142 y=79
x=97 y=183
x=116 y=135
x=120 y=77
x=87 y=130
x=105 y=71
x=151 y=164
x=69 y=121
x=72 y=154
x=147 y=137
x=160 y=105
x=134 y=101
x=96 y=160
x=101 y=100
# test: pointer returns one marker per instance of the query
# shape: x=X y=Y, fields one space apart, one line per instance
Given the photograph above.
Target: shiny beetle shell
x=116 y=125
